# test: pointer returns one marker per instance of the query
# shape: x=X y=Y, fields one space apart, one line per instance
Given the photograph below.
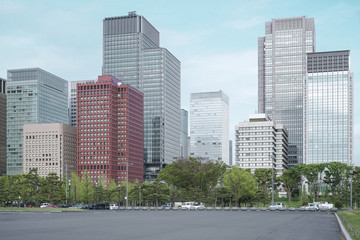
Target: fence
x=349 y=227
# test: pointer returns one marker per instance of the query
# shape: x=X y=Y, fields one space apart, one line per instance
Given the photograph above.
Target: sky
x=216 y=41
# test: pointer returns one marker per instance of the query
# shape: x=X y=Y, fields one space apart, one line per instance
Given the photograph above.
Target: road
x=172 y=225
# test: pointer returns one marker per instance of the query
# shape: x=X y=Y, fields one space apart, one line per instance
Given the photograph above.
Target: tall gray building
x=132 y=53
x=281 y=76
x=2 y=127
x=209 y=126
x=329 y=108
x=184 y=134
x=33 y=96
x=72 y=100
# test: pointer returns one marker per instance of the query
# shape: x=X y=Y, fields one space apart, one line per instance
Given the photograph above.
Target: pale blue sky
x=216 y=41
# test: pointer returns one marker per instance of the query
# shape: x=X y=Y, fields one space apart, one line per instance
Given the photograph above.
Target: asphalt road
x=172 y=225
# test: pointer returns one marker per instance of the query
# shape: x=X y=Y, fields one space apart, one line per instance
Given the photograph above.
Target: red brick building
x=110 y=127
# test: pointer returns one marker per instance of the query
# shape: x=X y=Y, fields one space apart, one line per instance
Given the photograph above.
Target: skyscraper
x=109 y=131
x=184 y=134
x=72 y=100
x=329 y=108
x=209 y=126
x=2 y=127
x=33 y=96
x=281 y=76
x=132 y=54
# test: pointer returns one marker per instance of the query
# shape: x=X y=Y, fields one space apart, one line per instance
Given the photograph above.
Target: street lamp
x=351 y=174
x=272 y=185
x=69 y=190
x=140 y=195
x=127 y=183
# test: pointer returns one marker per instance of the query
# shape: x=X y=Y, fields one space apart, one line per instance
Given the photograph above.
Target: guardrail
x=353 y=231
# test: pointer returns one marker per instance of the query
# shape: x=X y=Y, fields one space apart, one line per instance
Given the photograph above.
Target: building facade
x=184 y=134
x=2 y=127
x=260 y=143
x=49 y=147
x=281 y=73
x=209 y=126
x=33 y=96
x=109 y=131
x=132 y=54
x=329 y=108
x=72 y=100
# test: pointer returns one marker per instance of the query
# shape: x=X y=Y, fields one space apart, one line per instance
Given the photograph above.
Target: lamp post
x=140 y=195
x=351 y=174
x=272 y=185
x=127 y=183
x=69 y=190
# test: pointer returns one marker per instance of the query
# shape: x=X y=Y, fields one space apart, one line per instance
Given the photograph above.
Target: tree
x=110 y=191
x=240 y=183
x=156 y=192
x=264 y=179
x=196 y=177
x=335 y=175
x=27 y=186
x=87 y=188
x=290 y=180
x=51 y=189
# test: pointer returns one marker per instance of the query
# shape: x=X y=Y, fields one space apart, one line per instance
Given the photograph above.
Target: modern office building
x=49 y=147
x=329 y=108
x=281 y=76
x=132 y=54
x=110 y=131
x=33 y=96
x=184 y=134
x=209 y=126
x=230 y=153
x=72 y=100
x=2 y=127
x=261 y=143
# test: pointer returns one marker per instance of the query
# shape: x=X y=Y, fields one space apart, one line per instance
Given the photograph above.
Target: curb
x=343 y=230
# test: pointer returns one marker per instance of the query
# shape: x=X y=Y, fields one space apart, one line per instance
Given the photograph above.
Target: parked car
x=187 y=205
x=277 y=205
x=198 y=205
x=325 y=205
x=114 y=206
x=167 y=205
x=311 y=206
x=45 y=205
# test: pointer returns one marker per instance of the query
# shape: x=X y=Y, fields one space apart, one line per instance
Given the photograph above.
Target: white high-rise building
x=209 y=126
x=261 y=143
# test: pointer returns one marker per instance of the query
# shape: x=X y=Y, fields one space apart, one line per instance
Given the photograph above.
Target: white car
x=188 y=205
x=192 y=205
x=277 y=205
x=45 y=205
x=114 y=206
x=311 y=206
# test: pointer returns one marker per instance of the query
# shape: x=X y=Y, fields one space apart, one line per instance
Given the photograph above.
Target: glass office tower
x=329 y=108
x=2 y=127
x=132 y=54
x=281 y=76
x=209 y=126
x=33 y=96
